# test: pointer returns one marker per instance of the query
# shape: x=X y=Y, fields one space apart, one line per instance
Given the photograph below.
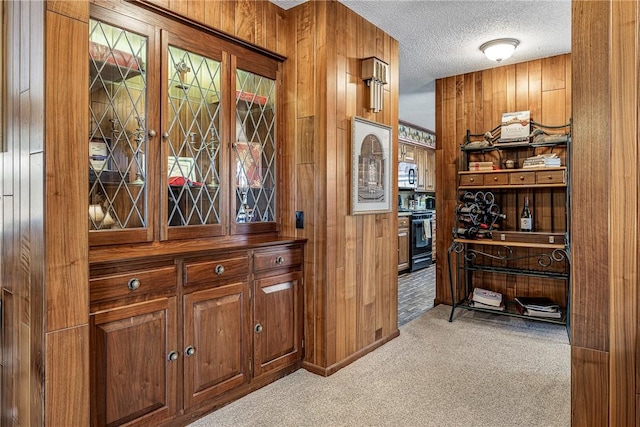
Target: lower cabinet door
x=277 y=335
x=216 y=354
x=134 y=364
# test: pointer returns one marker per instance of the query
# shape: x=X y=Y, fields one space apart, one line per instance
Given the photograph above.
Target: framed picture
x=248 y=165
x=181 y=167
x=370 y=167
x=98 y=154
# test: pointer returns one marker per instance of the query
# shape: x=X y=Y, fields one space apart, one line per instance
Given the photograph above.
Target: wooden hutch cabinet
x=195 y=298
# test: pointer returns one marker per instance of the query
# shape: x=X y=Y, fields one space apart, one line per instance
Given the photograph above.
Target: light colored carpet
x=479 y=370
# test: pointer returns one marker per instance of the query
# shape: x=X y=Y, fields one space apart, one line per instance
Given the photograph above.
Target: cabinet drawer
x=403 y=222
x=522 y=178
x=213 y=270
x=133 y=283
x=471 y=179
x=280 y=258
x=550 y=177
x=496 y=179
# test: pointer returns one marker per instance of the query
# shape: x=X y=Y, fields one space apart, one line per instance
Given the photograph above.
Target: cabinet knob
x=219 y=269
x=279 y=260
x=173 y=356
x=521 y=178
x=190 y=351
x=258 y=328
x=471 y=179
x=165 y=135
x=495 y=178
x=550 y=177
x=152 y=133
x=133 y=284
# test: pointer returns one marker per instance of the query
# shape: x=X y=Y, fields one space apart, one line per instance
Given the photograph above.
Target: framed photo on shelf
x=370 y=167
x=248 y=164
x=181 y=167
x=99 y=154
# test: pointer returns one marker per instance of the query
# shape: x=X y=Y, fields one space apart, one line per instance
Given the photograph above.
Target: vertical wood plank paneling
x=212 y=14
x=623 y=212
x=67 y=294
x=305 y=60
x=511 y=88
x=67 y=387
x=553 y=73
x=228 y=16
x=522 y=86
x=353 y=291
x=591 y=136
x=535 y=89
x=553 y=107
x=589 y=402
x=245 y=18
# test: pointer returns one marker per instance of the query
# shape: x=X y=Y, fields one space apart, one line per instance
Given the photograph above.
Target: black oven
x=421 y=240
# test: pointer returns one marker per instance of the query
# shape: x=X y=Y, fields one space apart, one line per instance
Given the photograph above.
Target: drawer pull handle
x=190 y=351
x=550 y=177
x=279 y=260
x=495 y=178
x=258 y=328
x=173 y=356
x=219 y=269
x=133 y=284
x=521 y=178
x=471 y=180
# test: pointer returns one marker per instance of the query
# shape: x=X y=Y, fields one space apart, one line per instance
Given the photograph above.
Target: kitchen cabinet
x=430 y=170
x=134 y=365
x=403 y=243
x=239 y=326
x=216 y=341
x=406 y=153
x=277 y=321
x=421 y=163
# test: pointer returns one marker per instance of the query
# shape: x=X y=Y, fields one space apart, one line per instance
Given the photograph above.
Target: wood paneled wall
x=605 y=380
x=350 y=276
x=475 y=102
x=21 y=218
x=350 y=283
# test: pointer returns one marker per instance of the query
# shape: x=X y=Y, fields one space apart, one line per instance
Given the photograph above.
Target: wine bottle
x=466 y=233
x=526 y=219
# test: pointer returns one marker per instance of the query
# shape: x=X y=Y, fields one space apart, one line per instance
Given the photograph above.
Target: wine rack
x=478 y=215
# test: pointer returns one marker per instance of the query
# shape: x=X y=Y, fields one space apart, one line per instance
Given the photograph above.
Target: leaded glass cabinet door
x=193 y=186
x=119 y=132
x=254 y=152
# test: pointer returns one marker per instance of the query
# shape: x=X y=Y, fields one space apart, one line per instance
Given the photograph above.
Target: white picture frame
x=181 y=167
x=370 y=167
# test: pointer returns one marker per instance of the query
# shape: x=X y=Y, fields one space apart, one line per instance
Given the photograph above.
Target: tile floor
x=416 y=292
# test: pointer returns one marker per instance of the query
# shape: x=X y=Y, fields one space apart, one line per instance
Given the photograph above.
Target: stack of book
x=538 y=307
x=480 y=166
x=483 y=298
x=550 y=160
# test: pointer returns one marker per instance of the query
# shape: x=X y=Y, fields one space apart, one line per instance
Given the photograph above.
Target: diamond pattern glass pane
x=117 y=136
x=193 y=139
x=255 y=148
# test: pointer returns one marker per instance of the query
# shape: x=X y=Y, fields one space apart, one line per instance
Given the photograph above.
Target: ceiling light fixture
x=499 y=49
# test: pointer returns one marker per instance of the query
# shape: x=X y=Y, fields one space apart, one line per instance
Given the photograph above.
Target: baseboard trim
x=330 y=370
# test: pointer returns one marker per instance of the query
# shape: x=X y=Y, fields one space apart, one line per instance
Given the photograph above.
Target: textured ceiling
x=441 y=38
